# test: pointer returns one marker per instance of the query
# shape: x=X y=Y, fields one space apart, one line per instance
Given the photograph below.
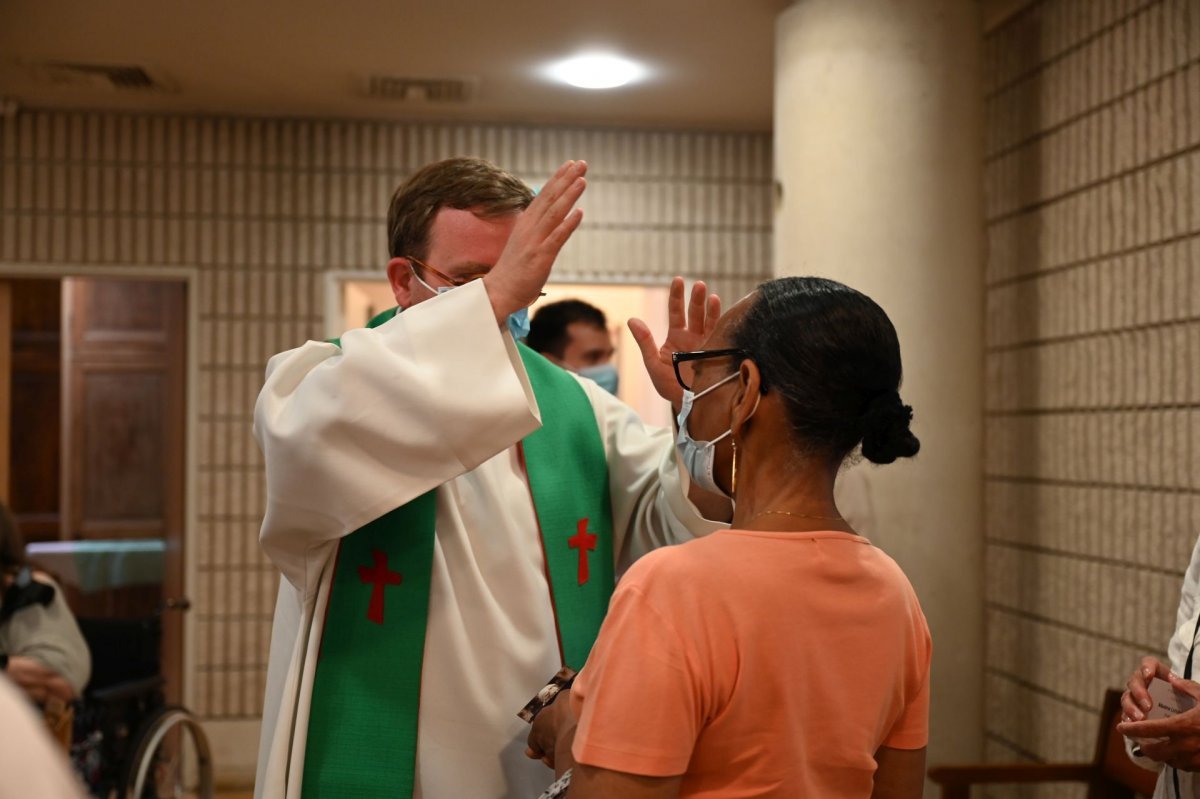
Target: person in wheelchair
x=98 y=682
x=41 y=647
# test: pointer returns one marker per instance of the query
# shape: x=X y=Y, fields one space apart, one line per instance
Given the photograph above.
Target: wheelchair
x=127 y=743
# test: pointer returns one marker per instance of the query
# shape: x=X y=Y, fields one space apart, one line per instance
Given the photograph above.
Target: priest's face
x=462 y=247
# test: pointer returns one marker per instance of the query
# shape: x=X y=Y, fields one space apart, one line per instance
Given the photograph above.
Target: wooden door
x=123 y=426
x=34 y=374
x=5 y=386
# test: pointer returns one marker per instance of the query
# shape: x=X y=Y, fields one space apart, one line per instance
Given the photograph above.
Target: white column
x=878 y=162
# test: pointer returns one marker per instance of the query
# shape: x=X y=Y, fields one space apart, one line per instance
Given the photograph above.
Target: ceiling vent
x=108 y=77
x=440 y=91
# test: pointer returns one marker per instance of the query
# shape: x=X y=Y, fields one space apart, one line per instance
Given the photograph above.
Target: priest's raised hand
x=516 y=280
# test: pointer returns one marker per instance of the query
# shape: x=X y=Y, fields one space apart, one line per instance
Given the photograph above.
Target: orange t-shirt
x=757 y=664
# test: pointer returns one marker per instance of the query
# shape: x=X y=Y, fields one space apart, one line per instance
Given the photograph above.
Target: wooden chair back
x=1110 y=775
x=1115 y=770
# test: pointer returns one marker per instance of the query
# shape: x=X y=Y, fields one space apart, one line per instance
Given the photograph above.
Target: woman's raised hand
x=689 y=326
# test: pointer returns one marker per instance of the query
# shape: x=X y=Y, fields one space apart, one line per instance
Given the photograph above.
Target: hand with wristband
x=552 y=723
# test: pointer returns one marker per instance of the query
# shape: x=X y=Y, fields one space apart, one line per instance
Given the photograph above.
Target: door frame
x=334 y=278
x=190 y=276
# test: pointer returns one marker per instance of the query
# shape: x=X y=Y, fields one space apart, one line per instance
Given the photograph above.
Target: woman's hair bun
x=832 y=355
x=886 y=435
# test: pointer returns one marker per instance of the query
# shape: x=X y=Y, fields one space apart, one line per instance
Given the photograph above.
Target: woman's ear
x=747 y=396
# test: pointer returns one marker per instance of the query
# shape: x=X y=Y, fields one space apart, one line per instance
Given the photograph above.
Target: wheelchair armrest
x=128 y=690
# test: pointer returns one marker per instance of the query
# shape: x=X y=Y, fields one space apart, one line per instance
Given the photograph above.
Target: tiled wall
x=1093 y=356
x=262 y=208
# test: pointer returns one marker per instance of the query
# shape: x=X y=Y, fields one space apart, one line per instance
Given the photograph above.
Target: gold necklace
x=797 y=515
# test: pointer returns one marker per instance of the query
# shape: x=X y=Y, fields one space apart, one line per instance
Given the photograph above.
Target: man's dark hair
x=460 y=183
x=548 y=328
x=833 y=354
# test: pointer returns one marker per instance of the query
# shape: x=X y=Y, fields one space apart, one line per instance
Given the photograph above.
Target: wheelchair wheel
x=171 y=759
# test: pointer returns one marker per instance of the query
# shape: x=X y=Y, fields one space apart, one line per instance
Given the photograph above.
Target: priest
x=447 y=508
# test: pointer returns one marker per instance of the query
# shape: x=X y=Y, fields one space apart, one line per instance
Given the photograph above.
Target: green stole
x=362 y=729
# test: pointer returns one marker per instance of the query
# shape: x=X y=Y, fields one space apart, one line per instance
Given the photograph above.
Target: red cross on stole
x=378 y=577
x=585 y=542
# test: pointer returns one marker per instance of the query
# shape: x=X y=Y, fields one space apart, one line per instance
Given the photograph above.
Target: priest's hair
x=460 y=183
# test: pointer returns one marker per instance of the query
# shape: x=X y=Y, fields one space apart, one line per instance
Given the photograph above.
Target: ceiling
x=711 y=60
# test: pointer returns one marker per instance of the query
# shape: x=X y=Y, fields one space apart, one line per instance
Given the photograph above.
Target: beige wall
x=1092 y=164
x=261 y=209
x=877 y=152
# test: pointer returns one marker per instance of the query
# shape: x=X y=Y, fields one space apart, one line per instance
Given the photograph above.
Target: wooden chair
x=1110 y=775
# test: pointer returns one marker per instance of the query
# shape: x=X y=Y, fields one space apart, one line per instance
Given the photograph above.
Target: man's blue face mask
x=604 y=374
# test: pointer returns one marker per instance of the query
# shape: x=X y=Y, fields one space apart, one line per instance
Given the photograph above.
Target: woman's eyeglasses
x=684 y=357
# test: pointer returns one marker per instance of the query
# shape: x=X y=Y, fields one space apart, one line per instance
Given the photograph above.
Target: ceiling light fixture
x=596 y=71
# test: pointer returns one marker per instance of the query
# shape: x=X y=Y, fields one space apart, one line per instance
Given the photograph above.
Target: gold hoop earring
x=733 y=470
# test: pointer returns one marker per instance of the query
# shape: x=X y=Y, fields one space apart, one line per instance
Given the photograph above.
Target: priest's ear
x=400 y=276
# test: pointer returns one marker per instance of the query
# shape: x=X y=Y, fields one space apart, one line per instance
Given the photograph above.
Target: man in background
x=574 y=334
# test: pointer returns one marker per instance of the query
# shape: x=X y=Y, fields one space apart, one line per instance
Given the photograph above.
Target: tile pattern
x=1092 y=492
x=263 y=208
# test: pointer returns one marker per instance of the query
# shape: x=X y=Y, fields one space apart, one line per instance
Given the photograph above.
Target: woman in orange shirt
x=787 y=656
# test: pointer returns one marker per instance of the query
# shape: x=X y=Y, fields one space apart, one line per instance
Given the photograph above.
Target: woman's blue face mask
x=699 y=456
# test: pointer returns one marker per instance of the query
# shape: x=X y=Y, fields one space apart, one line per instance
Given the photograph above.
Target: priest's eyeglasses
x=678 y=358
x=453 y=282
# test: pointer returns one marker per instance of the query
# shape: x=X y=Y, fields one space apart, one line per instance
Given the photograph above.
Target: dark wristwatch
x=3 y=662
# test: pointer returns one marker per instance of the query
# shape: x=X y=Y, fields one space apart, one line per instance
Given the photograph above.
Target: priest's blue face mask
x=518 y=322
x=698 y=456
